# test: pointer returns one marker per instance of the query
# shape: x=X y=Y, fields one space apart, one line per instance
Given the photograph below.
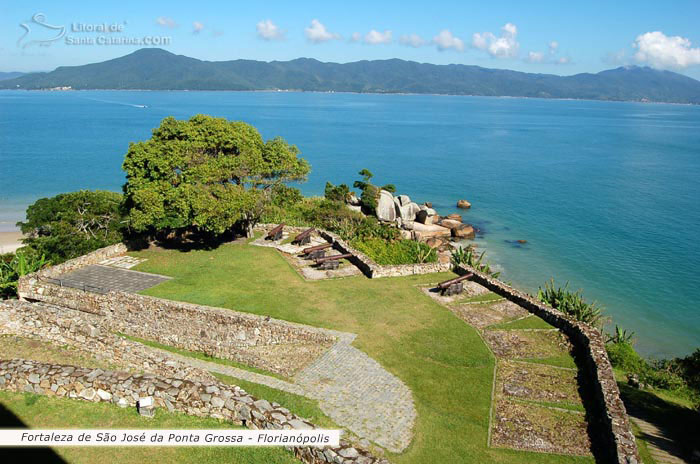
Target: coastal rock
x=403 y=200
x=431 y=212
x=464 y=204
x=428 y=204
x=455 y=217
x=463 y=231
x=450 y=223
x=422 y=216
x=356 y=208
x=423 y=232
x=435 y=242
x=386 y=209
x=353 y=200
x=406 y=234
x=522 y=242
x=408 y=211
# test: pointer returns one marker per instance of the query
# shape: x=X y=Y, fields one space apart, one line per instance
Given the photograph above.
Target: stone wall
x=95 y=257
x=363 y=262
x=222 y=333
x=203 y=399
x=610 y=414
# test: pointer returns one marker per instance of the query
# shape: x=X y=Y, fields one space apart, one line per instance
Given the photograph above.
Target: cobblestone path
x=662 y=448
x=351 y=388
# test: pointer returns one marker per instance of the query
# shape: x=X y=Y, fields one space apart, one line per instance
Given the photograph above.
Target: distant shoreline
x=363 y=93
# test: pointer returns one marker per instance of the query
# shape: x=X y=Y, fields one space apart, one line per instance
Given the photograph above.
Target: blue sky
x=538 y=36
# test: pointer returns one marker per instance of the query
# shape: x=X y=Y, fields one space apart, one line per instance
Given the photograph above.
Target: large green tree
x=72 y=224
x=206 y=175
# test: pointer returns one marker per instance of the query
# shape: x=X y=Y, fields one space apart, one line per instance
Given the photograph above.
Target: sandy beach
x=10 y=241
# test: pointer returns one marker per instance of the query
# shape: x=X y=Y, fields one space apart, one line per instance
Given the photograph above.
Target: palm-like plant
x=469 y=257
x=11 y=270
x=620 y=336
x=571 y=303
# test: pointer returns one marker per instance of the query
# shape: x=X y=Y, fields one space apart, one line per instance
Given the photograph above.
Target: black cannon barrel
x=447 y=283
x=275 y=231
x=306 y=251
x=333 y=258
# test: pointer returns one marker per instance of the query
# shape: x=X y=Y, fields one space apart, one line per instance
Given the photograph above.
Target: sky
x=554 y=37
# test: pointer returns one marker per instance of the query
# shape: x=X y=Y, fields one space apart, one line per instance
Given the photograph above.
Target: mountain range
x=157 y=69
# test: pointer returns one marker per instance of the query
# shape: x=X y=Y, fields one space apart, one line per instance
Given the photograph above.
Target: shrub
x=623 y=355
x=571 y=303
x=395 y=252
x=22 y=263
x=337 y=192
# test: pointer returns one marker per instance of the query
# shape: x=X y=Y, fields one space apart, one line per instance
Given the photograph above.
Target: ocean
x=606 y=194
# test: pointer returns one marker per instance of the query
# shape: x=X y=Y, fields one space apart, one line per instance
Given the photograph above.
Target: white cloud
x=505 y=46
x=267 y=30
x=535 y=57
x=166 y=22
x=662 y=51
x=549 y=57
x=318 y=33
x=374 y=37
x=412 y=40
x=355 y=37
x=446 y=40
x=197 y=27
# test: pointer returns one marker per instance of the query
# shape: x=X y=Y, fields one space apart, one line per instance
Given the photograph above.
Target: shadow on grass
x=8 y=420
x=184 y=243
x=678 y=425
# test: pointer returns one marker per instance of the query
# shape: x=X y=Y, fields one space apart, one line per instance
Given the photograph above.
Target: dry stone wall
x=221 y=333
x=203 y=399
x=613 y=422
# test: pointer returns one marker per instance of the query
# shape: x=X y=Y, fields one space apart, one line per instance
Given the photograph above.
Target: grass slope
x=443 y=360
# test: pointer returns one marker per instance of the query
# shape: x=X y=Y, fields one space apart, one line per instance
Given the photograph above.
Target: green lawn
x=36 y=411
x=442 y=359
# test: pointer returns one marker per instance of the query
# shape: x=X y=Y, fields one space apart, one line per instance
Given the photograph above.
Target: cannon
x=453 y=286
x=276 y=233
x=316 y=252
x=304 y=237
x=331 y=262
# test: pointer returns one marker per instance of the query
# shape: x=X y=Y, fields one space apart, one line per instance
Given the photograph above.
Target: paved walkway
x=102 y=279
x=662 y=448
x=351 y=388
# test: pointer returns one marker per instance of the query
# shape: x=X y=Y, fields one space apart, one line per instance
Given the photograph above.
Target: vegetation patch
x=528 y=426
x=513 y=344
x=482 y=315
x=385 y=252
x=537 y=382
x=529 y=322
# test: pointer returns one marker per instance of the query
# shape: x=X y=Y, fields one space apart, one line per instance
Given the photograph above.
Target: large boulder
x=450 y=223
x=403 y=200
x=353 y=200
x=423 y=232
x=386 y=209
x=464 y=204
x=455 y=217
x=421 y=216
x=357 y=208
x=464 y=231
x=407 y=212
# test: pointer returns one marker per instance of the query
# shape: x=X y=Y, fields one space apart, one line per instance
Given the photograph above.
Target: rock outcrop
x=422 y=232
x=386 y=209
x=464 y=204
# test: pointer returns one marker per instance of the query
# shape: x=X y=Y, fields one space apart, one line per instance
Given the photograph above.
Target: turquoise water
x=606 y=194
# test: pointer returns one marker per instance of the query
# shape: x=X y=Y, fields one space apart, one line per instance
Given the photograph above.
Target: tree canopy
x=206 y=174
x=72 y=224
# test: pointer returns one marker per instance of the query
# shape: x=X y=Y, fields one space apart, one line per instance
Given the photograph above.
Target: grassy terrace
x=443 y=360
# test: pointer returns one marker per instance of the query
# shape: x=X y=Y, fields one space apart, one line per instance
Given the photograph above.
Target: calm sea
x=607 y=195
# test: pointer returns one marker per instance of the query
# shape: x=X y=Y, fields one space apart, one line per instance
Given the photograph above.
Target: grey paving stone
x=102 y=279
